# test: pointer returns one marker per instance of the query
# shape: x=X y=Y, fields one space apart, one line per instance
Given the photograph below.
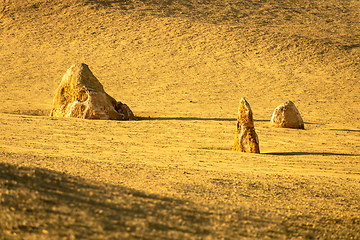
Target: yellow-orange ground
x=181 y=66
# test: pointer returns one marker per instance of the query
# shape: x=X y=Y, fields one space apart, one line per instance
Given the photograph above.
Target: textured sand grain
x=182 y=67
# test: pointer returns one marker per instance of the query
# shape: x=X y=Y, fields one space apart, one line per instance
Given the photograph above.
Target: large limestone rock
x=287 y=115
x=246 y=139
x=81 y=95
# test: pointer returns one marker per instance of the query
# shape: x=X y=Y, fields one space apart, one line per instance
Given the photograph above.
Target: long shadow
x=44 y=204
x=310 y=123
x=346 y=130
x=67 y=206
x=351 y=46
x=39 y=203
x=310 y=153
x=184 y=119
x=42 y=112
x=201 y=119
x=192 y=119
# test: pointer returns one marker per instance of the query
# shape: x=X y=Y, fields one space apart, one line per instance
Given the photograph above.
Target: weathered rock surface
x=81 y=95
x=246 y=139
x=287 y=115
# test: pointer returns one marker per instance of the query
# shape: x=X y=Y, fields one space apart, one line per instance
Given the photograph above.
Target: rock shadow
x=192 y=119
x=346 y=130
x=184 y=119
x=31 y=112
x=310 y=153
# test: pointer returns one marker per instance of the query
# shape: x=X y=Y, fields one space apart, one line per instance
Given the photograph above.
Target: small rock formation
x=246 y=139
x=287 y=115
x=81 y=95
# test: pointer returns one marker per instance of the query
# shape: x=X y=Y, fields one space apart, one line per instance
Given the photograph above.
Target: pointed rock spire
x=246 y=139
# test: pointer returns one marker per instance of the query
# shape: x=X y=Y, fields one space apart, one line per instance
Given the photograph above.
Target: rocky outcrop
x=81 y=95
x=287 y=116
x=246 y=139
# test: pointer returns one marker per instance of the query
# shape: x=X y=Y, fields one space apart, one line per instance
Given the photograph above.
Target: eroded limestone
x=246 y=139
x=81 y=95
x=287 y=115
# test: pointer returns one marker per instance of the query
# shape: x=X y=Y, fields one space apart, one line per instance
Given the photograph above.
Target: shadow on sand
x=184 y=119
x=39 y=203
x=67 y=206
x=193 y=119
x=46 y=112
x=311 y=153
x=203 y=119
x=346 y=130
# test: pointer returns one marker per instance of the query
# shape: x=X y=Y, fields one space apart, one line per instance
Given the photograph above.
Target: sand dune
x=182 y=67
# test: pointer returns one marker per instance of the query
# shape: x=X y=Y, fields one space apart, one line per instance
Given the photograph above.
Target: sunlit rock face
x=81 y=95
x=287 y=115
x=246 y=139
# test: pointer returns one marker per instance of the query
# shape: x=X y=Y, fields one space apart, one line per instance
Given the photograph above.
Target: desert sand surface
x=182 y=67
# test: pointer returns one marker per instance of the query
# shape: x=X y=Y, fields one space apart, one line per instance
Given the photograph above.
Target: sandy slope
x=182 y=67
